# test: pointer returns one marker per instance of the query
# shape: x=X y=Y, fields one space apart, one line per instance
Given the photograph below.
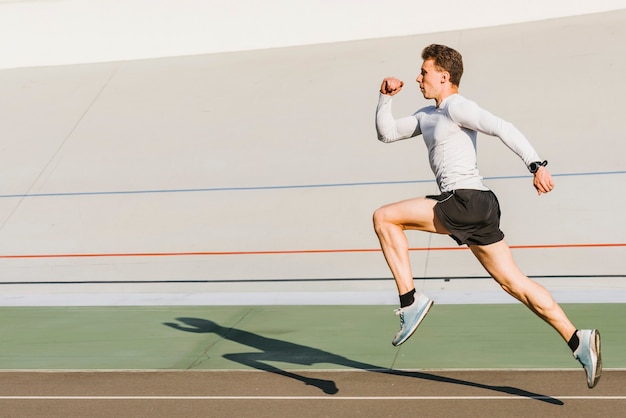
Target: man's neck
x=446 y=93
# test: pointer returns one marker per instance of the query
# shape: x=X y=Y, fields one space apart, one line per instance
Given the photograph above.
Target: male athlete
x=466 y=209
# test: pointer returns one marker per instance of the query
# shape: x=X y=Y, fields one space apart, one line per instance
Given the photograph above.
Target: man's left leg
x=498 y=261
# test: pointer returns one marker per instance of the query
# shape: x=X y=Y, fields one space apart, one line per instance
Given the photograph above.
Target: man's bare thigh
x=416 y=213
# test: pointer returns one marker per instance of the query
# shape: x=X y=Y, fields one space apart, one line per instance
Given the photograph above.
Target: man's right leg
x=390 y=222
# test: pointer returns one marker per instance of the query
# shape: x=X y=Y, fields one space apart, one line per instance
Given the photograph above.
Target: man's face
x=430 y=79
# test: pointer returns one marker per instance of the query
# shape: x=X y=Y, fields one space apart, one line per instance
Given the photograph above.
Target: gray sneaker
x=410 y=318
x=588 y=354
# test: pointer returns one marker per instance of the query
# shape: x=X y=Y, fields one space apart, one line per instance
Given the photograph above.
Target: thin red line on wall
x=276 y=252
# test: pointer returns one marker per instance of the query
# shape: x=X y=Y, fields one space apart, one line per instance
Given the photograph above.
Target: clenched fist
x=391 y=86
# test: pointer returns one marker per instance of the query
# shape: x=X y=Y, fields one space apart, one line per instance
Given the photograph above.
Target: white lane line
x=330 y=397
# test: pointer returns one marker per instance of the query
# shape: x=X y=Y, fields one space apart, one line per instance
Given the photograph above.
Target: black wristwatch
x=534 y=166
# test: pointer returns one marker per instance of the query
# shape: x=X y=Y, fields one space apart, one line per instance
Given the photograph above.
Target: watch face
x=534 y=166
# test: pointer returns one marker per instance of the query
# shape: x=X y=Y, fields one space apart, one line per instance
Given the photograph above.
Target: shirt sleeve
x=468 y=114
x=390 y=129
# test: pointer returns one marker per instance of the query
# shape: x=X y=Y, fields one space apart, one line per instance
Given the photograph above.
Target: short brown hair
x=446 y=59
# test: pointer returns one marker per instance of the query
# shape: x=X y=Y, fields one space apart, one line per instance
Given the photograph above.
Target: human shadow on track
x=273 y=350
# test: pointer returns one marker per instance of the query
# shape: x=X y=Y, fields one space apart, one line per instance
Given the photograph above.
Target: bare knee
x=384 y=222
x=379 y=219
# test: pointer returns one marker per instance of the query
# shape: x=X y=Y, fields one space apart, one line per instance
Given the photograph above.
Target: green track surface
x=296 y=337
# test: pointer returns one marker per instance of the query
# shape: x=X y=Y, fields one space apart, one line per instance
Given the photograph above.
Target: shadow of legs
x=250 y=360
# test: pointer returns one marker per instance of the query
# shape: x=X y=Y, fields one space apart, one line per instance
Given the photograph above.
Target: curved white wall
x=57 y=32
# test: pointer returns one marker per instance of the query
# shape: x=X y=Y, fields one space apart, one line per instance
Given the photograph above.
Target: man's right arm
x=390 y=129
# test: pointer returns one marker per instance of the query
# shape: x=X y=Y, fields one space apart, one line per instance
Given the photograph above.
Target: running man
x=466 y=209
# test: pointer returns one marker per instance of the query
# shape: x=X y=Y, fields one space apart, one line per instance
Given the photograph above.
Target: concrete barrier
x=251 y=177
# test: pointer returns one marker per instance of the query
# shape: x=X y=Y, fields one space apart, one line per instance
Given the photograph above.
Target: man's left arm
x=469 y=115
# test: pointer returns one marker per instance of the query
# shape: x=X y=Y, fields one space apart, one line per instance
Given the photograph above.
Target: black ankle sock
x=407 y=299
x=574 y=341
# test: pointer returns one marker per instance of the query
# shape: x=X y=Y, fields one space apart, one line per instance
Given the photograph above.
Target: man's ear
x=445 y=76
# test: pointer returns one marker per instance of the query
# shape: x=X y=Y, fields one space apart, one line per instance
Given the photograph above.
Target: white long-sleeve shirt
x=449 y=132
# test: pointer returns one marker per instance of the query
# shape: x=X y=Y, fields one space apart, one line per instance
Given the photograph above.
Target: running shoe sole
x=598 y=370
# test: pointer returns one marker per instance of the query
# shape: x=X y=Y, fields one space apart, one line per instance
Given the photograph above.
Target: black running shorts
x=471 y=216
